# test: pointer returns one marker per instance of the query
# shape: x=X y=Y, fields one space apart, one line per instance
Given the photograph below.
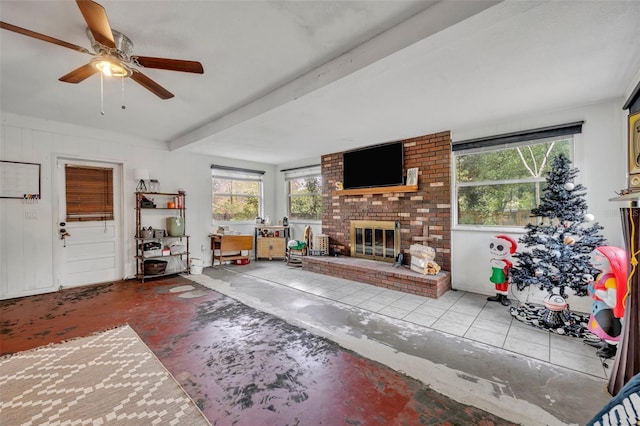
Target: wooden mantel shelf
x=377 y=190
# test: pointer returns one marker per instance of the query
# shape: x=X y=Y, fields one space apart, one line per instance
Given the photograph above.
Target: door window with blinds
x=89 y=193
x=237 y=194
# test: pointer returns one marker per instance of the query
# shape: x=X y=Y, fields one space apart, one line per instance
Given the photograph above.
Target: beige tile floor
x=459 y=313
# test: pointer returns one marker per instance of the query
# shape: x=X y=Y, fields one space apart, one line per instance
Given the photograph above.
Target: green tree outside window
x=305 y=198
x=500 y=187
x=235 y=200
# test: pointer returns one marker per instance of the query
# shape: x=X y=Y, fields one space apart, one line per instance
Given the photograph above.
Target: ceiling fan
x=111 y=52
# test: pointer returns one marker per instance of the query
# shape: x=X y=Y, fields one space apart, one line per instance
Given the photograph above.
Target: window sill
x=494 y=229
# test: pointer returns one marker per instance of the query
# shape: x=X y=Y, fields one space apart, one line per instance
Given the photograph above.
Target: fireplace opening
x=377 y=240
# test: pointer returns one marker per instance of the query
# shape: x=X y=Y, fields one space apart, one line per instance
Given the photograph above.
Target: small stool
x=295 y=250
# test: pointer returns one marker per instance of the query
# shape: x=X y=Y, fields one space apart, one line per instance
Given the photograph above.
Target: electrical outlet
x=203 y=248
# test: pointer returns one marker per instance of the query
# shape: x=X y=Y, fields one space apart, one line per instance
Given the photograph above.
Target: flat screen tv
x=379 y=165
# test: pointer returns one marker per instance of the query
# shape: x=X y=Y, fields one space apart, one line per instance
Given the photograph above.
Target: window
x=498 y=186
x=89 y=193
x=304 y=193
x=237 y=194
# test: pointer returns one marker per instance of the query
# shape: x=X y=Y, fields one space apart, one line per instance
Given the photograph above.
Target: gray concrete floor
x=459 y=345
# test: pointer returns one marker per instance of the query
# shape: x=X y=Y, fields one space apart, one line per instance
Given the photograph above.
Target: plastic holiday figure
x=608 y=291
x=501 y=246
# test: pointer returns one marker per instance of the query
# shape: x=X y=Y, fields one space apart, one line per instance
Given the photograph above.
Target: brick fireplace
x=426 y=210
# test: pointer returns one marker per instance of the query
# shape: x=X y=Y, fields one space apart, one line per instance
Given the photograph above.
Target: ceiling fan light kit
x=111 y=61
x=113 y=52
x=111 y=67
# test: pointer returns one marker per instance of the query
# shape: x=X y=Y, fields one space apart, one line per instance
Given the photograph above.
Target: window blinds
x=89 y=193
x=226 y=172
x=519 y=137
x=300 y=172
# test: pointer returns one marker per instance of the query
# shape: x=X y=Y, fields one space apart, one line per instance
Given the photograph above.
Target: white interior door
x=91 y=252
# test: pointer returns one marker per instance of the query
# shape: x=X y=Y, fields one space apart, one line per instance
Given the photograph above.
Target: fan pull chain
x=123 y=105
x=101 y=94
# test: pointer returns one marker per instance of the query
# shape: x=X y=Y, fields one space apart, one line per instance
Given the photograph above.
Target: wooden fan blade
x=79 y=74
x=168 y=64
x=151 y=85
x=42 y=37
x=97 y=21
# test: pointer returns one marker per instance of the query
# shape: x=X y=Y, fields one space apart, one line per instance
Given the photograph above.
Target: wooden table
x=230 y=247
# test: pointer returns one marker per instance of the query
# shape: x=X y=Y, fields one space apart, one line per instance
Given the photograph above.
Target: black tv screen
x=380 y=165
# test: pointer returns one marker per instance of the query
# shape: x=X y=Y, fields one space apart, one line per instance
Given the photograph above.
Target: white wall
x=26 y=246
x=601 y=157
x=26 y=259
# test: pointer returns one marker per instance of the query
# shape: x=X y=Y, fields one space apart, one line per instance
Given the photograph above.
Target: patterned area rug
x=107 y=378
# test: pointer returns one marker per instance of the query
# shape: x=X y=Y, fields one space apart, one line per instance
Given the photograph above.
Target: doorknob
x=63 y=235
x=63 y=232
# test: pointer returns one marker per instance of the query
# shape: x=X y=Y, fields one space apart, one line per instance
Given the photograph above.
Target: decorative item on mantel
x=412 y=176
x=628 y=195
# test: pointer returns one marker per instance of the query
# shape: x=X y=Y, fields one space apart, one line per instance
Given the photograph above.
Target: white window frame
x=301 y=173
x=457 y=185
x=238 y=174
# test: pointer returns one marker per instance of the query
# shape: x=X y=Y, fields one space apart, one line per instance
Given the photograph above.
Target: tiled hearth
x=380 y=274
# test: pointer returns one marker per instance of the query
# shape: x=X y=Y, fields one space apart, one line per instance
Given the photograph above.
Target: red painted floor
x=240 y=365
